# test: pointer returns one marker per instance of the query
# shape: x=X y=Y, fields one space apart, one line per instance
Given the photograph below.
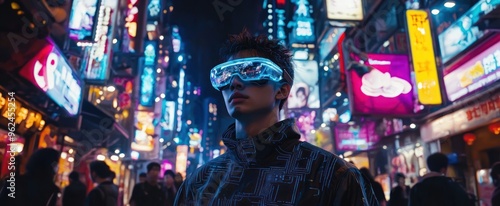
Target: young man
x=266 y=164
x=435 y=189
x=149 y=193
x=106 y=193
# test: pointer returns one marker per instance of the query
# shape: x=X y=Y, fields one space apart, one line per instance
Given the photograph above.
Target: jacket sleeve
x=185 y=195
x=461 y=196
x=350 y=188
x=180 y=198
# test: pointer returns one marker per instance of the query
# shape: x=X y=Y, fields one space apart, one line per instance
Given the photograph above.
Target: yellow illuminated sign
x=423 y=58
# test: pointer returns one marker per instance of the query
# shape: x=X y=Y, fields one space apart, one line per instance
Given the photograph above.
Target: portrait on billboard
x=81 y=21
x=305 y=89
x=458 y=37
x=464 y=32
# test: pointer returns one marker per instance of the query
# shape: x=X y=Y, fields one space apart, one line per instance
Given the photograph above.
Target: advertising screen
x=462 y=33
x=355 y=137
x=97 y=68
x=480 y=71
x=50 y=71
x=305 y=123
x=305 y=89
x=347 y=10
x=168 y=117
x=382 y=86
x=81 y=20
x=143 y=139
x=329 y=41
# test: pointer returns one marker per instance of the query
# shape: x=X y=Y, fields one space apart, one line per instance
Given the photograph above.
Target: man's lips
x=237 y=97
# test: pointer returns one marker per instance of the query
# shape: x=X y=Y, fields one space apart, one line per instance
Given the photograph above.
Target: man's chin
x=238 y=112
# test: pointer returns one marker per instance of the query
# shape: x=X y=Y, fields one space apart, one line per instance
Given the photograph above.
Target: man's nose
x=237 y=83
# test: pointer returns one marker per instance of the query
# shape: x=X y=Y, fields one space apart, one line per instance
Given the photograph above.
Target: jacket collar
x=432 y=174
x=256 y=148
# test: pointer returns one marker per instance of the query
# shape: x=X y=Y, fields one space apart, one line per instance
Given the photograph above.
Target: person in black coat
x=400 y=193
x=75 y=193
x=495 y=175
x=265 y=162
x=36 y=186
x=435 y=189
x=105 y=193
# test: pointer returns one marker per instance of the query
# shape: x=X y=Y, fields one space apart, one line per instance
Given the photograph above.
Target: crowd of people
x=37 y=187
x=433 y=189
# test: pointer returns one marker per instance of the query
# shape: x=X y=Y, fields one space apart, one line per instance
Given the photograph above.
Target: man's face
x=401 y=181
x=243 y=98
x=154 y=173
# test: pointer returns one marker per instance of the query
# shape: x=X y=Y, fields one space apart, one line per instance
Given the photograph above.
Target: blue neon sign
x=148 y=78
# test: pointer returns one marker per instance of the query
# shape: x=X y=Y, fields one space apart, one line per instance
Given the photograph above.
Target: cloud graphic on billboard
x=375 y=84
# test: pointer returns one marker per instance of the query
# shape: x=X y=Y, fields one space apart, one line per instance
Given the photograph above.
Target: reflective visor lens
x=248 y=69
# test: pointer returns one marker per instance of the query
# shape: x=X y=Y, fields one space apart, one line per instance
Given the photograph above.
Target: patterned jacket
x=275 y=168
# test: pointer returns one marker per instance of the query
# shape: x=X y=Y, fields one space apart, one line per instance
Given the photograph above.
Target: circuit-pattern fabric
x=275 y=168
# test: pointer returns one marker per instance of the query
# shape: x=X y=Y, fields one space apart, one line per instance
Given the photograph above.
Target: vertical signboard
x=423 y=58
x=148 y=77
x=97 y=67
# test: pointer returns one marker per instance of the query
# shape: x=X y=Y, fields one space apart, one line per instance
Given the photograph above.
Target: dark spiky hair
x=271 y=49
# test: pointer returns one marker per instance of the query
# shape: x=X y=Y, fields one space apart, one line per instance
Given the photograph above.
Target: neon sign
x=97 y=67
x=52 y=74
x=148 y=77
x=154 y=8
x=149 y=54
x=303 y=26
x=476 y=73
x=147 y=88
x=131 y=23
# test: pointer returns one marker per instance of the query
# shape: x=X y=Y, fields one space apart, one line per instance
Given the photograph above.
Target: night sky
x=203 y=32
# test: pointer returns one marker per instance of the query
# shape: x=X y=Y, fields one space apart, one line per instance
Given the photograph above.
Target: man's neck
x=101 y=180
x=252 y=128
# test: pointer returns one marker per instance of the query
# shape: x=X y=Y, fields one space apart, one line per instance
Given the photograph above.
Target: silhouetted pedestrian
x=106 y=193
x=400 y=193
x=435 y=189
x=74 y=194
x=36 y=187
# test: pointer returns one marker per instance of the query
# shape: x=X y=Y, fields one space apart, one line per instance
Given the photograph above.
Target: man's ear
x=283 y=92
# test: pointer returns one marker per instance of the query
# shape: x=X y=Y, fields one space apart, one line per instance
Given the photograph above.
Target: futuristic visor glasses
x=248 y=69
